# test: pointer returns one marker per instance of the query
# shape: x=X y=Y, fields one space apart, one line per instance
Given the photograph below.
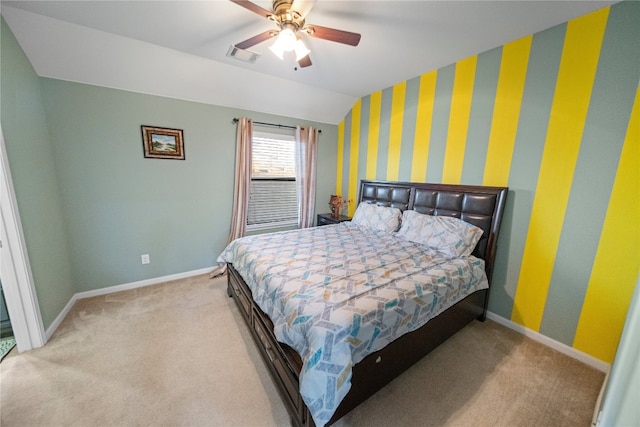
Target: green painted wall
x=120 y=205
x=34 y=176
x=549 y=116
x=91 y=204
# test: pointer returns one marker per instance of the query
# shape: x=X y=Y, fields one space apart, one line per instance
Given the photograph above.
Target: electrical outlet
x=145 y=259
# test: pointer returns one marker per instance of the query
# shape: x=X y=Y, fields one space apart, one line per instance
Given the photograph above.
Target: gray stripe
x=346 y=159
x=542 y=73
x=481 y=116
x=440 y=124
x=364 y=138
x=409 y=129
x=604 y=134
x=383 y=141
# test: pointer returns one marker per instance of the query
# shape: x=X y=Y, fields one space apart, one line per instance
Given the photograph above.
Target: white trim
x=117 y=288
x=621 y=390
x=17 y=278
x=549 y=342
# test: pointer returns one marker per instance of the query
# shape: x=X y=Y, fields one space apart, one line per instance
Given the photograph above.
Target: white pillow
x=450 y=236
x=376 y=217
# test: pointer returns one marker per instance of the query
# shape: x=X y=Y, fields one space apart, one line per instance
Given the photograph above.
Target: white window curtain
x=242 y=186
x=306 y=155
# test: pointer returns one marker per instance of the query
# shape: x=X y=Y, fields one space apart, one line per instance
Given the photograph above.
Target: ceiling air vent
x=242 y=55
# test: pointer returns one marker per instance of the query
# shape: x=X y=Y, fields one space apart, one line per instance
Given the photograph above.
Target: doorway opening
x=7 y=339
x=18 y=290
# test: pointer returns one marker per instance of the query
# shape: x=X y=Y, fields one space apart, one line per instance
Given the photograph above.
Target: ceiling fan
x=289 y=16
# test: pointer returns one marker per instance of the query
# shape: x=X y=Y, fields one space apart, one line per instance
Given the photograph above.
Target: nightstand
x=326 y=219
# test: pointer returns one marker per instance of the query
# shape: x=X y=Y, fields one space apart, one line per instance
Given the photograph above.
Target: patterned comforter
x=337 y=293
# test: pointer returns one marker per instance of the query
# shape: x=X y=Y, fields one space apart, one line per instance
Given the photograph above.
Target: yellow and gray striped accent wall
x=553 y=116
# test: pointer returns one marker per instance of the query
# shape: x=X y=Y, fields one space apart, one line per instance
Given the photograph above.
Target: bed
x=339 y=311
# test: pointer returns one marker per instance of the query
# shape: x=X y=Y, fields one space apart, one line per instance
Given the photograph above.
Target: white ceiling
x=178 y=48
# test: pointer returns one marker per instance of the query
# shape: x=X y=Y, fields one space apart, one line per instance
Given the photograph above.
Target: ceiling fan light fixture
x=286 y=42
x=277 y=49
x=301 y=50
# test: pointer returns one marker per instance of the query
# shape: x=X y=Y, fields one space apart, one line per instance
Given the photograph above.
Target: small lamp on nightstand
x=336 y=203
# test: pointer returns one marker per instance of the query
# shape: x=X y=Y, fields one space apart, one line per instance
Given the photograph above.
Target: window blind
x=273 y=201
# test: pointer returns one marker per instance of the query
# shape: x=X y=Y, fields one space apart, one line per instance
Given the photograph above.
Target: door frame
x=17 y=278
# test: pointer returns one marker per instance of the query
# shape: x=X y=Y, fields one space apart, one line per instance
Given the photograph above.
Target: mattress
x=339 y=292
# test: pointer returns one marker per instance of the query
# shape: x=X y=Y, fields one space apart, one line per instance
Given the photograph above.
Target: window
x=273 y=201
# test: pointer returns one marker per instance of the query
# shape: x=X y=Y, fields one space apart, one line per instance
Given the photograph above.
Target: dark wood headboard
x=478 y=205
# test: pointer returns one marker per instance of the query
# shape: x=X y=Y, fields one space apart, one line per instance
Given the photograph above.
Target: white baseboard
x=59 y=318
x=549 y=342
x=117 y=288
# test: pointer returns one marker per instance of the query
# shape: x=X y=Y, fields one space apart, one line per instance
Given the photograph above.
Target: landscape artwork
x=162 y=143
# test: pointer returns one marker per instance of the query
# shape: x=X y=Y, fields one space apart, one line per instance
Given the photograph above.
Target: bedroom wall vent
x=242 y=54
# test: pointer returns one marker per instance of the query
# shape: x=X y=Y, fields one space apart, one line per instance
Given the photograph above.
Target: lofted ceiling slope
x=178 y=48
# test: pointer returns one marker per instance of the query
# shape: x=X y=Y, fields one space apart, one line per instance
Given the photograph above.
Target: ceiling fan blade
x=256 y=39
x=253 y=8
x=332 y=34
x=305 y=62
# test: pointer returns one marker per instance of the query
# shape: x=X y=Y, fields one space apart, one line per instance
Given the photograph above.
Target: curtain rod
x=235 y=120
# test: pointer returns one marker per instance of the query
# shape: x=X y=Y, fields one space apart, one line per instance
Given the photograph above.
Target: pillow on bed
x=450 y=236
x=380 y=218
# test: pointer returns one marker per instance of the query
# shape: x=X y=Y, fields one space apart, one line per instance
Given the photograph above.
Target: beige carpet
x=179 y=354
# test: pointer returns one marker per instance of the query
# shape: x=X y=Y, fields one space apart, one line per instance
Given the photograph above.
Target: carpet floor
x=179 y=354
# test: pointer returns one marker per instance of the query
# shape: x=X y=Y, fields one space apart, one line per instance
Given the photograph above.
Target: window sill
x=272 y=226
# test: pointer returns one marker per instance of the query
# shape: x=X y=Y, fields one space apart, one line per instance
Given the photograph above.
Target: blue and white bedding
x=337 y=293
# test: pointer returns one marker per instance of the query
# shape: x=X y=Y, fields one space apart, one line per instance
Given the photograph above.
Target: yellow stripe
x=354 y=152
x=395 y=130
x=375 y=108
x=340 y=159
x=506 y=112
x=568 y=114
x=424 y=116
x=617 y=263
x=459 y=119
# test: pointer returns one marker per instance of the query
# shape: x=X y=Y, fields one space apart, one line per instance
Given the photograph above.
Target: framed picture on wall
x=162 y=143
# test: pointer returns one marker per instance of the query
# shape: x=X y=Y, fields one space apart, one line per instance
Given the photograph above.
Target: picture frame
x=162 y=143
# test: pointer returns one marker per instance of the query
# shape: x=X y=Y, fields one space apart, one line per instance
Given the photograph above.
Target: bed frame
x=479 y=205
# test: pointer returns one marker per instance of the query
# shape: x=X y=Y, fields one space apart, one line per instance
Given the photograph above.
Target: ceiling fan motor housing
x=284 y=16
